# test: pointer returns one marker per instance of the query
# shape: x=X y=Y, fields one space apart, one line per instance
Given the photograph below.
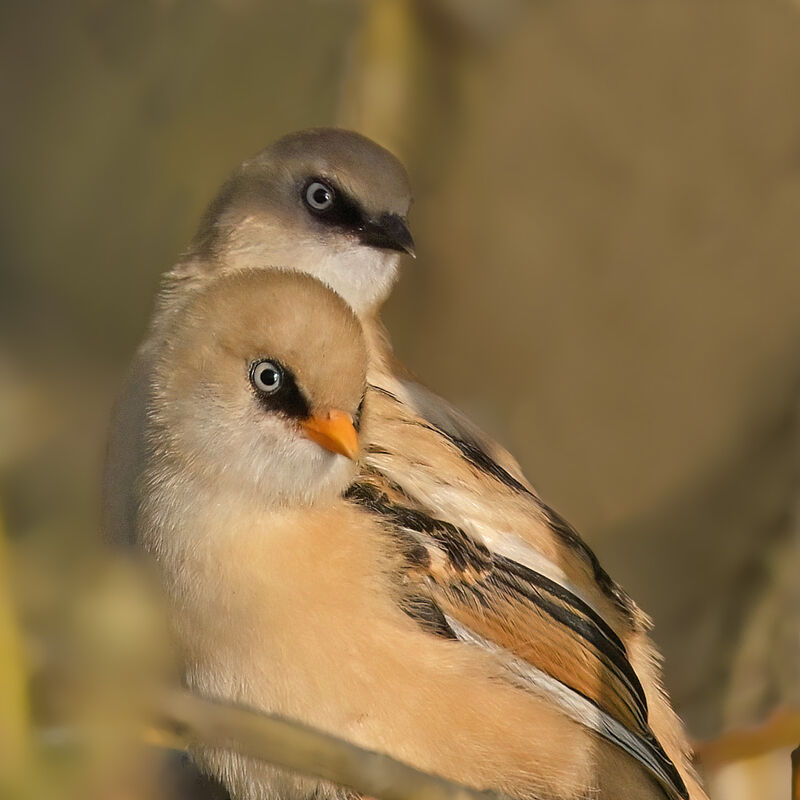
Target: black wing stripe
x=464 y=553
x=616 y=662
x=461 y=549
x=474 y=453
x=428 y=615
x=585 y=622
x=570 y=536
x=645 y=748
x=531 y=576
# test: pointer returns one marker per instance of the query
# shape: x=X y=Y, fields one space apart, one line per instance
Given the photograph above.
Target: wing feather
x=547 y=639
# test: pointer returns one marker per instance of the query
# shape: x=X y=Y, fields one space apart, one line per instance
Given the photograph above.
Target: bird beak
x=388 y=232
x=334 y=431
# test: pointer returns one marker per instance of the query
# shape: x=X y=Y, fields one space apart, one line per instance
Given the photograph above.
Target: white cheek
x=362 y=275
x=304 y=473
x=282 y=467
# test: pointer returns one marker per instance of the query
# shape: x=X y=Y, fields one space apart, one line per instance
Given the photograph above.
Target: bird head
x=325 y=201
x=259 y=385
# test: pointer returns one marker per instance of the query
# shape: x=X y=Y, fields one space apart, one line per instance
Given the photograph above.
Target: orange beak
x=334 y=431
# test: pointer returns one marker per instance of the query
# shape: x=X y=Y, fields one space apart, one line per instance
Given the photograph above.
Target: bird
x=333 y=204
x=288 y=594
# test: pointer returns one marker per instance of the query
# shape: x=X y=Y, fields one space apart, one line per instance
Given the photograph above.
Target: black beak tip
x=388 y=232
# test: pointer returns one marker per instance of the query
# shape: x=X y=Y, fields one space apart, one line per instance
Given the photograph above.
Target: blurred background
x=607 y=219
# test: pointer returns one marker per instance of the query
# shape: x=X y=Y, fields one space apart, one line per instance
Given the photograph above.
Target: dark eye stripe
x=288 y=399
x=343 y=213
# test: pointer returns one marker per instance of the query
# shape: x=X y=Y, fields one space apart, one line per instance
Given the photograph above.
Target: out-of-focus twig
x=14 y=717
x=297 y=747
x=780 y=730
x=376 y=93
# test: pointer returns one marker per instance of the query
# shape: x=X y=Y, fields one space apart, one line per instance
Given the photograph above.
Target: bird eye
x=266 y=376
x=319 y=196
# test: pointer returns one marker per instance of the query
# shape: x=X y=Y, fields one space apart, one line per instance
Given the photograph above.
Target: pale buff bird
x=333 y=204
x=292 y=595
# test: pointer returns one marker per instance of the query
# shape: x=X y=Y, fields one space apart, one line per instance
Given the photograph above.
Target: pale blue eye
x=266 y=376
x=319 y=196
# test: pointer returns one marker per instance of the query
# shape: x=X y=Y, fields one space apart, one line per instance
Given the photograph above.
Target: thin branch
x=299 y=748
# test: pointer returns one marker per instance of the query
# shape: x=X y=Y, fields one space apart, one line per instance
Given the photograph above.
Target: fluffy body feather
x=297 y=613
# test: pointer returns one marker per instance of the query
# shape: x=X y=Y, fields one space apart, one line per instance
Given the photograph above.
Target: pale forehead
x=361 y=167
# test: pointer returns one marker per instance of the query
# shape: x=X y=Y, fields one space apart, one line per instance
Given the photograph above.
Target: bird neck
x=383 y=366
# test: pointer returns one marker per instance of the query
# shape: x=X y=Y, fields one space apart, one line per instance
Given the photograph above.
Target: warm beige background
x=608 y=222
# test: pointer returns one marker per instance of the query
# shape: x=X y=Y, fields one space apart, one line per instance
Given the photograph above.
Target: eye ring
x=319 y=196
x=266 y=376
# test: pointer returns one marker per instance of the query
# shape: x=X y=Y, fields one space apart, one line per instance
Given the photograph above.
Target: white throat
x=363 y=276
